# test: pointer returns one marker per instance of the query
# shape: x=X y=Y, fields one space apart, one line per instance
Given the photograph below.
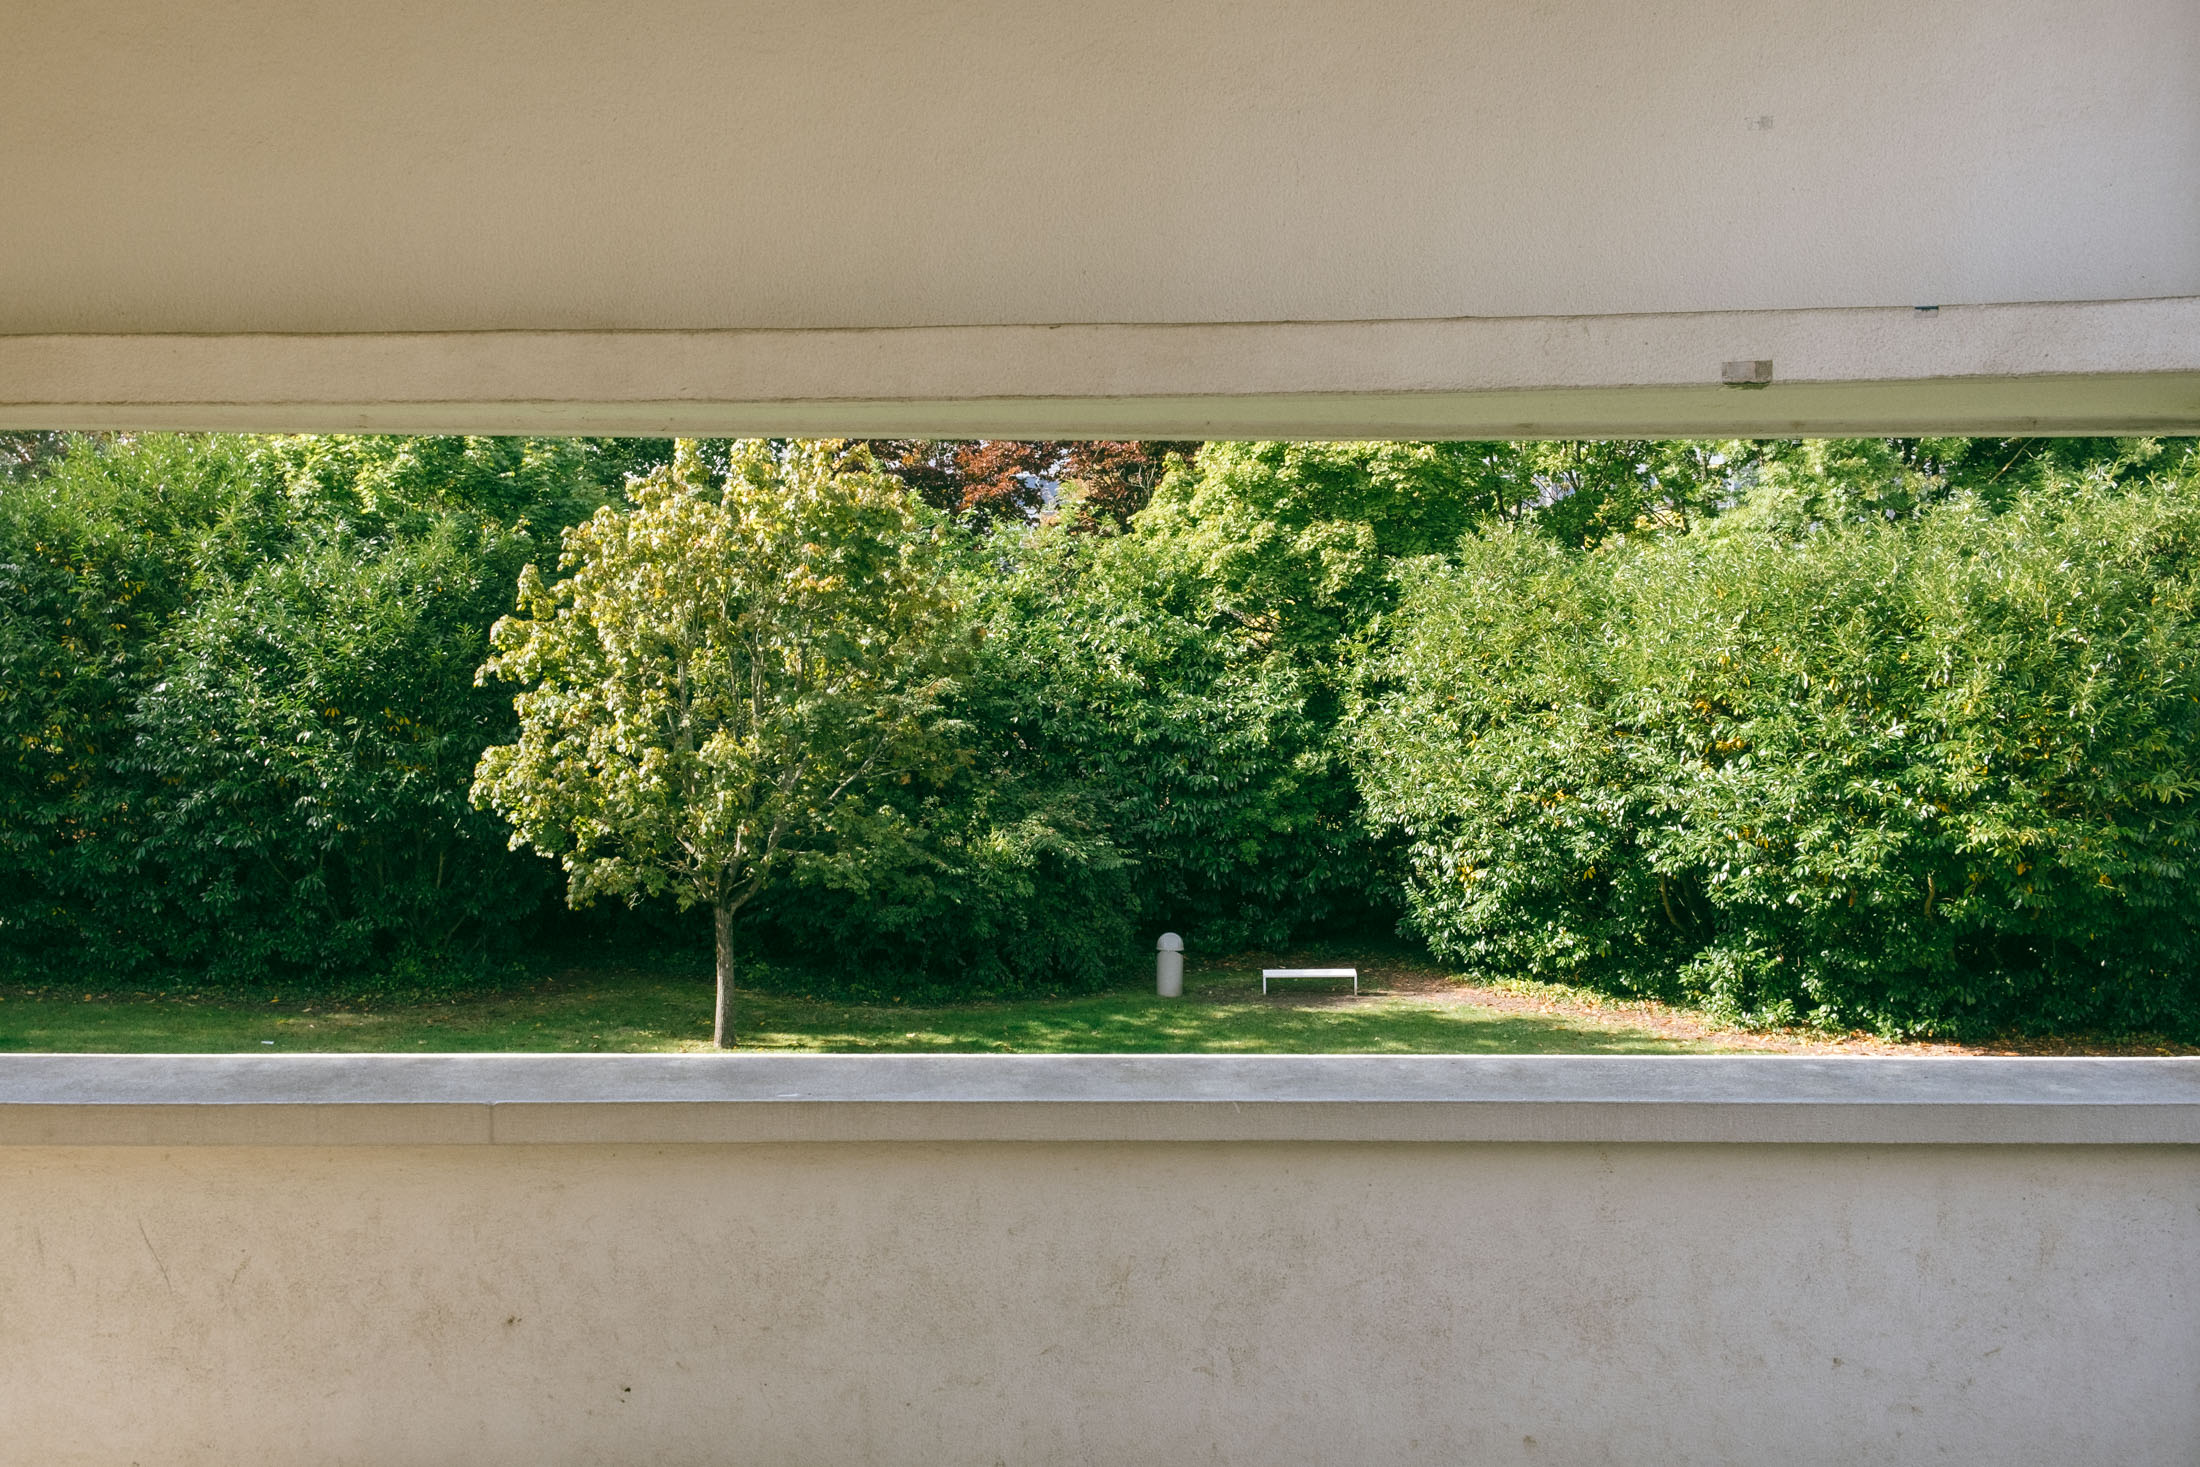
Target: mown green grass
x=1222 y=1013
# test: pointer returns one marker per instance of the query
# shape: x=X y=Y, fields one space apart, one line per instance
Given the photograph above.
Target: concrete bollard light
x=1168 y=966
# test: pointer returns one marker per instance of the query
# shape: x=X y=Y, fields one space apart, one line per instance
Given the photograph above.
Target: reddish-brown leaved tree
x=1006 y=478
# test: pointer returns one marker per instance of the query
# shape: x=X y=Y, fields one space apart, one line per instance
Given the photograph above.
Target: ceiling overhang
x=1407 y=218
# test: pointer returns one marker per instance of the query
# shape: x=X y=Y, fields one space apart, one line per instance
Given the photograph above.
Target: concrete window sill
x=322 y=1100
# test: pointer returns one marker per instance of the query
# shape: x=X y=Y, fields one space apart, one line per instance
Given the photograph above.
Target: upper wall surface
x=421 y=172
x=502 y=165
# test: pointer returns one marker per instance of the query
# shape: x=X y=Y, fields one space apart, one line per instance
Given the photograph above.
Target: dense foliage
x=1892 y=733
x=732 y=668
x=1839 y=759
x=238 y=707
x=1149 y=726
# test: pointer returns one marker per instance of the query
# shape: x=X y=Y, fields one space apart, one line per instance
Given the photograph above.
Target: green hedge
x=1886 y=733
x=1927 y=771
x=238 y=715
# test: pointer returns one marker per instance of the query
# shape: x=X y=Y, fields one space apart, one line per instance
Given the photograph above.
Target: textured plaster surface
x=1396 y=218
x=254 y=165
x=1106 y=1303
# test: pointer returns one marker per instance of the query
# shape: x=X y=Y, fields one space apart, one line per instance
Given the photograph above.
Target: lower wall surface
x=1096 y=1302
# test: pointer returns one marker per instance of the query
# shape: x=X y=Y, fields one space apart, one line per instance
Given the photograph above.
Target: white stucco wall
x=1030 y=1303
x=250 y=165
x=461 y=1268
x=357 y=204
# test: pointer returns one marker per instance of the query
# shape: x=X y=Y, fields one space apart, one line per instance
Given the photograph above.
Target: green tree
x=721 y=680
x=1295 y=538
x=24 y=454
x=1107 y=669
x=1583 y=493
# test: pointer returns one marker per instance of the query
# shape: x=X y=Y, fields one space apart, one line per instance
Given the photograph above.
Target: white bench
x=1352 y=973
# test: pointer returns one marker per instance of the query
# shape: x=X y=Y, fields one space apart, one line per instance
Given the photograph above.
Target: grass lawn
x=1407 y=1007
x=1222 y=1012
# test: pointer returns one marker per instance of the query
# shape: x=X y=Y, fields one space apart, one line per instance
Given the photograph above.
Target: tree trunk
x=722 y=920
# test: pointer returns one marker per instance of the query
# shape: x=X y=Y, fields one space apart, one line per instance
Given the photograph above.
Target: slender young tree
x=726 y=670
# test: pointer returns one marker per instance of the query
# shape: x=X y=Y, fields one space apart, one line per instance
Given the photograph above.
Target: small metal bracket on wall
x=1746 y=374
